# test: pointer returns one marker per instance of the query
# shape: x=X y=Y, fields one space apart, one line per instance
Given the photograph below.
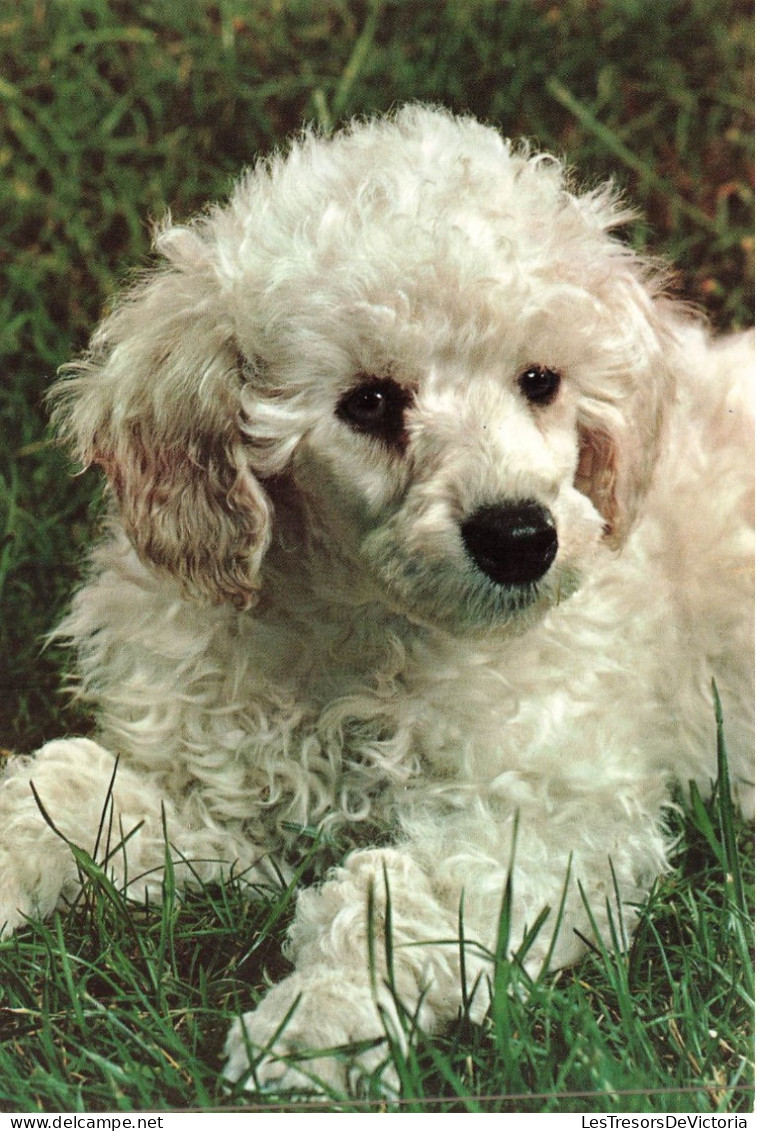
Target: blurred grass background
x=109 y=113
x=113 y=110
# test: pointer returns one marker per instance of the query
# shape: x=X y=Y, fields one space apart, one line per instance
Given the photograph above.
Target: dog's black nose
x=512 y=543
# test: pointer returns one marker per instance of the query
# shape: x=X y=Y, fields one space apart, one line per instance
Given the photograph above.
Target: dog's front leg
x=370 y=944
x=73 y=792
x=376 y=949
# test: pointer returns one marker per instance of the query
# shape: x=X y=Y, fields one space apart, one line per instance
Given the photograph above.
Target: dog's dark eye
x=376 y=407
x=539 y=385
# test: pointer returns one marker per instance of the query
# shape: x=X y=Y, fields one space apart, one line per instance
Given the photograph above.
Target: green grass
x=114 y=1006
x=109 y=113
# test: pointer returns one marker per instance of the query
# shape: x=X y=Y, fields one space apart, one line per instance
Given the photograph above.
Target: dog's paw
x=11 y=919
x=24 y=893
x=316 y=1031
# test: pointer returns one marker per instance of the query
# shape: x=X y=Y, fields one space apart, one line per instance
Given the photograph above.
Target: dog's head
x=420 y=343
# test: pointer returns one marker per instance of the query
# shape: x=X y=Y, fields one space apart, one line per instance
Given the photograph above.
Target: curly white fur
x=286 y=624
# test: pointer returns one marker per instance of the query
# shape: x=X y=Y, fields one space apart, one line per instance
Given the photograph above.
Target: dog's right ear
x=156 y=403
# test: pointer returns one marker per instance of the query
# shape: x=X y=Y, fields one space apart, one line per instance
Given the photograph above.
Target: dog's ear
x=156 y=403
x=620 y=439
x=597 y=478
x=626 y=390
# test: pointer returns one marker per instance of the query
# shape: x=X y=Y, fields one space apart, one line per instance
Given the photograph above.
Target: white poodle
x=431 y=519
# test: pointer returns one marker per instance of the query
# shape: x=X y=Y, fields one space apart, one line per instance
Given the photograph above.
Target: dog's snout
x=512 y=543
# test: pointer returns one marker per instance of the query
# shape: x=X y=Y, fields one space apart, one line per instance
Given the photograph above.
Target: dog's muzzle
x=512 y=543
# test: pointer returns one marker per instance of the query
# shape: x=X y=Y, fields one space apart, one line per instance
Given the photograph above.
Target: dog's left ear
x=597 y=477
x=623 y=404
x=620 y=432
x=156 y=403
x=620 y=439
